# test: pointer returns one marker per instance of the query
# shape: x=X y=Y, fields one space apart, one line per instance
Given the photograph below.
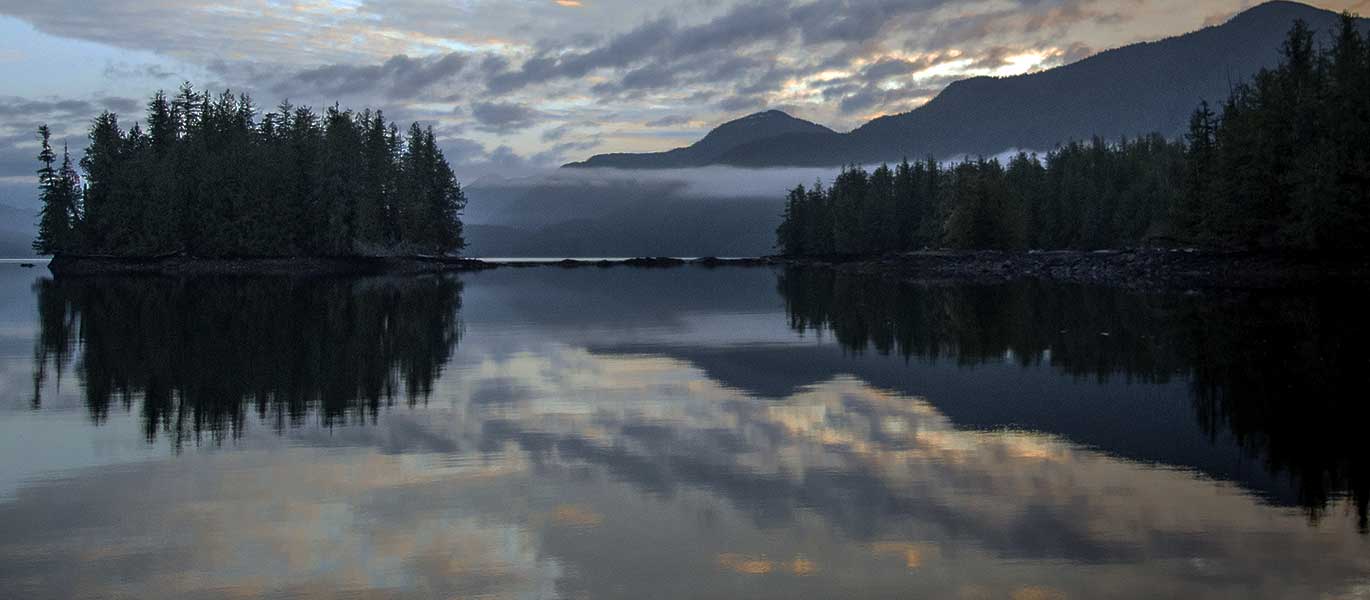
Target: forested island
x=1282 y=166
x=208 y=178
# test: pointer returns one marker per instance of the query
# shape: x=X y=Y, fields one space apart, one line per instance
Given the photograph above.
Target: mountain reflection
x=1281 y=374
x=200 y=353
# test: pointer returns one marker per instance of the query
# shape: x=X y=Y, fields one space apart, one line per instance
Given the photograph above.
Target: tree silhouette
x=212 y=177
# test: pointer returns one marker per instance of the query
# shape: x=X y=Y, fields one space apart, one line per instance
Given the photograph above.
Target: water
x=672 y=433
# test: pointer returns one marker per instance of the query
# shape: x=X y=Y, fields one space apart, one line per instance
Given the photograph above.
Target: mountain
x=603 y=217
x=16 y=232
x=1133 y=90
x=724 y=138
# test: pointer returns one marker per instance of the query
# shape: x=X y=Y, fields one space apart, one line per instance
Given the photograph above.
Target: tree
x=794 y=222
x=60 y=195
x=1201 y=162
x=101 y=164
x=210 y=179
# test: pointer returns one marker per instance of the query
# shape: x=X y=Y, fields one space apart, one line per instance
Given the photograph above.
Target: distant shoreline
x=68 y=265
x=1150 y=268
x=1140 y=268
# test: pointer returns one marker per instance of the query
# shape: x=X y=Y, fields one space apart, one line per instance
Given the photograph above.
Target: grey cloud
x=1076 y=52
x=737 y=49
x=887 y=68
x=561 y=131
x=872 y=96
x=620 y=50
x=68 y=117
x=398 y=77
x=669 y=121
x=836 y=90
x=506 y=157
x=661 y=44
x=1069 y=12
x=729 y=55
x=503 y=117
x=648 y=77
x=15 y=108
x=199 y=29
x=16 y=158
x=123 y=70
x=462 y=150
x=738 y=103
x=559 y=152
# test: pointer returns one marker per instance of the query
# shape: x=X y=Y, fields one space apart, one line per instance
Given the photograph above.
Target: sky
x=515 y=84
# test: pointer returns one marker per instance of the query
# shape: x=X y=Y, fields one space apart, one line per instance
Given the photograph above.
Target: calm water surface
x=673 y=433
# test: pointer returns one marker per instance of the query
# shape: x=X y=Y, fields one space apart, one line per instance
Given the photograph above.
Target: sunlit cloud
x=615 y=63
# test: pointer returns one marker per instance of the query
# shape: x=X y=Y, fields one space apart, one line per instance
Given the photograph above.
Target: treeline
x=1284 y=165
x=208 y=177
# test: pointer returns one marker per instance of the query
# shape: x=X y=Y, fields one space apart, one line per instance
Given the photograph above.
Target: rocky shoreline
x=1144 y=268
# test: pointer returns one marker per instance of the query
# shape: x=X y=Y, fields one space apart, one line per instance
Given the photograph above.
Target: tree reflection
x=1283 y=374
x=201 y=352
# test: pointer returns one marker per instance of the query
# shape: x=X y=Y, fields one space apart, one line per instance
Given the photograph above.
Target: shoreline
x=1143 y=268
x=177 y=265
x=1169 y=269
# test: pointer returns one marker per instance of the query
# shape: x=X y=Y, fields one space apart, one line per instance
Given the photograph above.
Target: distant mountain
x=1137 y=89
x=16 y=232
x=720 y=141
x=604 y=218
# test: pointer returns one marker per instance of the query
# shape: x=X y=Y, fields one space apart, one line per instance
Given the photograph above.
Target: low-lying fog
x=703 y=211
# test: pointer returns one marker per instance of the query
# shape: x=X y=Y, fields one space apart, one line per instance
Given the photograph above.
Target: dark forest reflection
x=200 y=353
x=1282 y=374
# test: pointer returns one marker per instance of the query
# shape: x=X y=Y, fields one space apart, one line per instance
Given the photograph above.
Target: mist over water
x=581 y=212
x=697 y=182
x=717 y=181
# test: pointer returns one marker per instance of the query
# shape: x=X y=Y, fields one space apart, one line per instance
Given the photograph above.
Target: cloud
x=558 y=132
x=669 y=121
x=18 y=109
x=124 y=70
x=68 y=118
x=462 y=150
x=616 y=63
x=399 y=76
x=869 y=97
x=17 y=156
x=503 y=117
x=559 y=153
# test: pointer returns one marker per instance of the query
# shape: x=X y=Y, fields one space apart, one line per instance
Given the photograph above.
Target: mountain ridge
x=1163 y=82
x=754 y=127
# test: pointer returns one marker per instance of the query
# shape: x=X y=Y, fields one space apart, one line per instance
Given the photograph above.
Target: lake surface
x=677 y=433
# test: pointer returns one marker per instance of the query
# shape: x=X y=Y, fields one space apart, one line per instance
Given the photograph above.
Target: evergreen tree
x=101 y=163
x=52 y=219
x=793 y=224
x=847 y=199
x=209 y=178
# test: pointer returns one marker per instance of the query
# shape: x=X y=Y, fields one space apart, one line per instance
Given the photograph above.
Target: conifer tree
x=209 y=178
x=52 y=223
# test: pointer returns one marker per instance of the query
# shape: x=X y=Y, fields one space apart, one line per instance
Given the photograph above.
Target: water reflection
x=1283 y=374
x=634 y=434
x=200 y=353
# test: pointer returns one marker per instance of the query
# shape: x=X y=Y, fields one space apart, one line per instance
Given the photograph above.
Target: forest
x=1282 y=165
x=209 y=177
